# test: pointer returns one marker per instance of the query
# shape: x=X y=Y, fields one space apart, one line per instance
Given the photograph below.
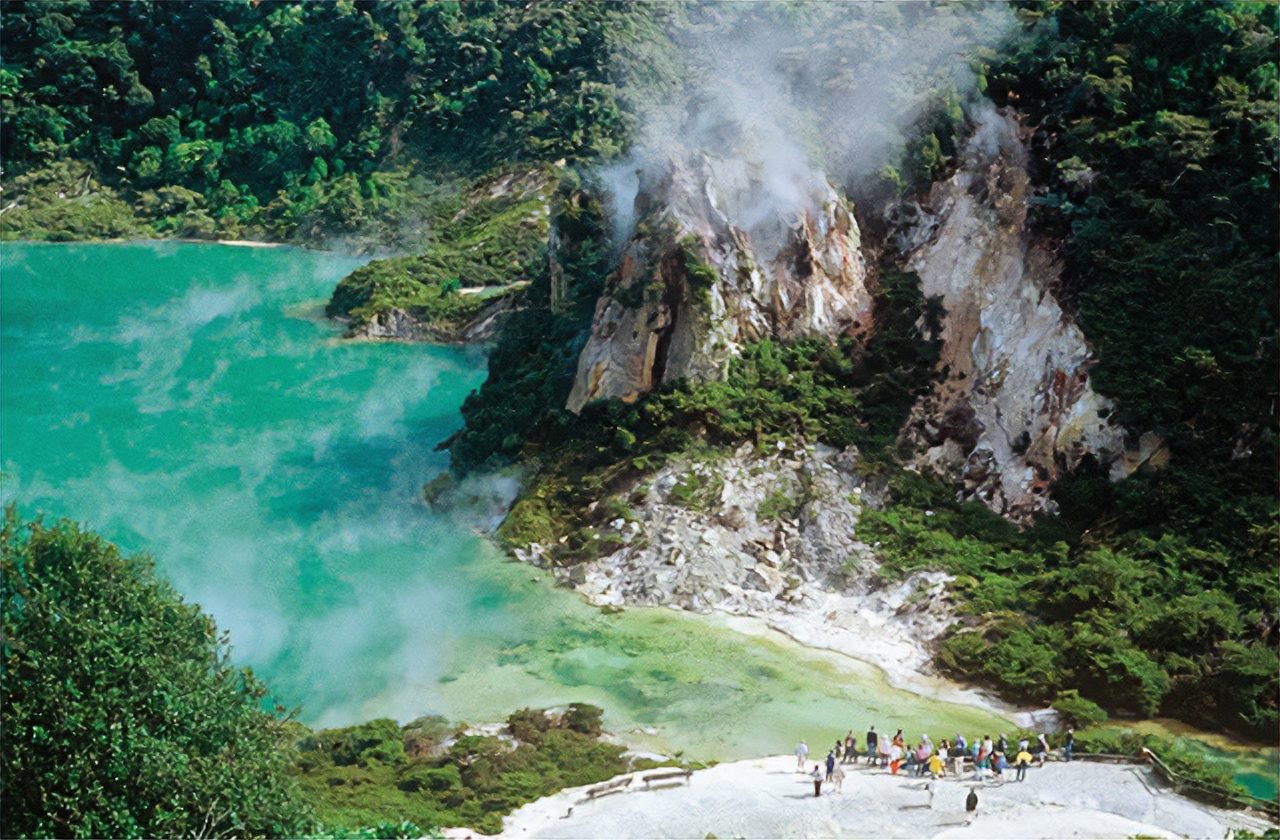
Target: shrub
x=123 y=714
x=1080 y=712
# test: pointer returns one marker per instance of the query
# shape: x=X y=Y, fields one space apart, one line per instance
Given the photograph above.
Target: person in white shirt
x=802 y=752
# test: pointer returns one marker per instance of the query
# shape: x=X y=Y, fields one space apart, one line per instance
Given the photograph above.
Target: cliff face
x=692 y=287
x=1015 y=409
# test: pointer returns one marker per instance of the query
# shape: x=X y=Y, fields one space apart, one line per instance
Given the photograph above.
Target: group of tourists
x=990 y=758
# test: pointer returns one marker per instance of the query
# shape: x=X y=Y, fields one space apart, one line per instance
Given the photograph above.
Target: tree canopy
x=123 y=714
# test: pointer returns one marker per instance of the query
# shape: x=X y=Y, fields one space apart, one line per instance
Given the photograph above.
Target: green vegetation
x=778 y=505
x=294 y=119
x=1159 y=135
x=124 y=718
x=432 y=773
x=1158 y=131
x=1138 y=624
x=837 y=393
x=1080 y=712
x=492 y=236
x=123 y=714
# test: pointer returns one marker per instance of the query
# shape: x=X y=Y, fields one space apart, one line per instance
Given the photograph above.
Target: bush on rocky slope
x=432 y=773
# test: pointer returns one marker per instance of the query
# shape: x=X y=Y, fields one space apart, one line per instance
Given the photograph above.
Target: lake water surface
x=188 y=401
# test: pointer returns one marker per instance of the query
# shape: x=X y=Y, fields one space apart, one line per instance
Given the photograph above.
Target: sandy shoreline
x=768 y=798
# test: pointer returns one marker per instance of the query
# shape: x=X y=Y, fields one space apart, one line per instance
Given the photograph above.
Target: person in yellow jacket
x=935 y=765
x=1022 y=761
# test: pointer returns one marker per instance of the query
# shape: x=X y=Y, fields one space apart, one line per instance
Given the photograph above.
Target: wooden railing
x=1205 y=792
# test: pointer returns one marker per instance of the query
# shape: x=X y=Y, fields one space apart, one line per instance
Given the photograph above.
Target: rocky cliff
x=692 y=287
x=1015 y=408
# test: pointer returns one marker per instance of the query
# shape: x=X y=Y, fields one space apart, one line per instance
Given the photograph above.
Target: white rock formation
x=767 y=798
x=772 y=537
x=1015 y=409
x=692 y=287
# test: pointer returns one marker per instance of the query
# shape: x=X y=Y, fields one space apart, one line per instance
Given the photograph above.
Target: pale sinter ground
x=768 y=798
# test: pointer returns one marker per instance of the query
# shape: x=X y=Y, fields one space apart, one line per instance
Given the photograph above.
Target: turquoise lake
x=190 y=401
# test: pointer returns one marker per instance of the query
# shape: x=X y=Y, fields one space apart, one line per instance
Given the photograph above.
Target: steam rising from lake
x=176 y=399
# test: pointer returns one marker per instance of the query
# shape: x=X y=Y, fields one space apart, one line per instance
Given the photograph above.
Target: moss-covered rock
x=484 y=242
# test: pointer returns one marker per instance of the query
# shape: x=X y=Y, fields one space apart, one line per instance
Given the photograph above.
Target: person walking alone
x=831 y=765
x=1069 y=745
x=802 y=753
x=873 y=741
x=816 y=775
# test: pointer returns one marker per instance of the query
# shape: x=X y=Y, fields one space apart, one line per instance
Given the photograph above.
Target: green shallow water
x=188 y=401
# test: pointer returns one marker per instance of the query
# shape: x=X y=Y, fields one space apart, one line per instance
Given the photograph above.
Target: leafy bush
x=1080 y=712
x=472 y=781
x=123 y=714
x=494 y=234
x=1139 y=626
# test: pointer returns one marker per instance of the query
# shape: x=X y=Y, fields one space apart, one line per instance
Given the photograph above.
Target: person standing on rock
x=831 y=765
x=998 y=765
x=932 y=787
x=816 y=775
x=923 y=752
x=1042 y=746
x=971 y=805
x=850 y=748
x=838 y=778
x=802 y=753
x=1022 y=761
x=1003 y=744
x=871 y=745
x=1069 y=745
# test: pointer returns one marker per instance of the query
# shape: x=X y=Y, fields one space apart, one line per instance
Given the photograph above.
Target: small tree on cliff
x=123 y=716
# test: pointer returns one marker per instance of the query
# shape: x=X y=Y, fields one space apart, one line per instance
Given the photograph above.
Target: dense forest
x=1155 y=137
x=291 y=119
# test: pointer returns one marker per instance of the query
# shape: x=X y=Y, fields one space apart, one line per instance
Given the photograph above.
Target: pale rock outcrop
x=692 y=287
x=774 y=537
x=1015 y=409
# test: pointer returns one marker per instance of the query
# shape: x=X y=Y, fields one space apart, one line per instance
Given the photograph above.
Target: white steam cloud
x=783 y=98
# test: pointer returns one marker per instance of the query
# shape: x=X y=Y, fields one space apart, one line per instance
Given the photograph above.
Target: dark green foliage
x=300 y=118
x=493 y=235
x=1157 y=166
x=1138 y=625
x=389 y=830
x=123 y=715
x=66 y=201
x=474 y=781
x=531 y=369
